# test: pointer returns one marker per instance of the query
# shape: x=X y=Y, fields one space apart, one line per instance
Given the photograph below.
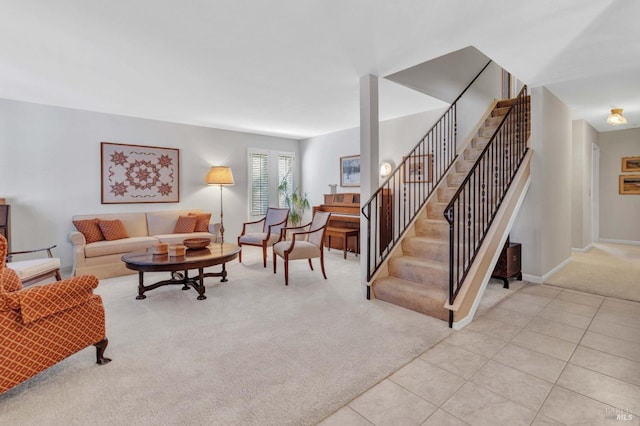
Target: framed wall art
x=350 y=170
x=630 y=184
x=139 y=174
x=417 y=168
x=631 y=164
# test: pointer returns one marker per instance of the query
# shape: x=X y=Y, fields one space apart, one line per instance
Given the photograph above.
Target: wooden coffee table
x=179 y=266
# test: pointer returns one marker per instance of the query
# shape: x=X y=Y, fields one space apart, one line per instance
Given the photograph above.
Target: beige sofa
x=103 y=258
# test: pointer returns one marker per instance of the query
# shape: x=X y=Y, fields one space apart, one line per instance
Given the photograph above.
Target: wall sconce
x=616 y=118
x=385 y=169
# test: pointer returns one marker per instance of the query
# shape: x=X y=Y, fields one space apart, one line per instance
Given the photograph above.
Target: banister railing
x=394 y=206
x=473 y=207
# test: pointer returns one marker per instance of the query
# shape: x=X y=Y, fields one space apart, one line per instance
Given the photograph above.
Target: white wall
x=583 y=137
x=50 y=168
x=320 y=163
x=543 y=225
x=618 y=213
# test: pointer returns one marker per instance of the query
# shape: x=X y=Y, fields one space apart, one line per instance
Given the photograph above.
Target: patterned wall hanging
x=139 y=174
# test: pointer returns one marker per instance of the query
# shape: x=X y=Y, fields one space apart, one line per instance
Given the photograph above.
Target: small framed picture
x=350 y=170
x=631 y=164
x=417 y=168
x=630 y=184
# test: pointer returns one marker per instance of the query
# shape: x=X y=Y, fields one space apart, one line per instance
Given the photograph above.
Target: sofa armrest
x=41 y=301
x=77 y=238
x=214 y=228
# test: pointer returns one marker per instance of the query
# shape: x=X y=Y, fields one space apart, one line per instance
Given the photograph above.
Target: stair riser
x=425 y=249
x=419 y=274
x=463 y=166
x=499 y=111
x=431 y=306
x=435 y=210
x=432 y=230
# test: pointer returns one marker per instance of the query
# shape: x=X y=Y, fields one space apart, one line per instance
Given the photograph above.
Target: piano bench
x=343 y=233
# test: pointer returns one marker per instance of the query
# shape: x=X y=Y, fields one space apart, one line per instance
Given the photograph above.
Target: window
x=267 y=170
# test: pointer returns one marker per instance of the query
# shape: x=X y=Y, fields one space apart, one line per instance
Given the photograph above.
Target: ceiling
x=291 y=68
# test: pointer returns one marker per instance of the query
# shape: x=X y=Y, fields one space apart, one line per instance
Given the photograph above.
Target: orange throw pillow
x=202 y=225
x=90 y=229
x=112 y=230
x=185 y=225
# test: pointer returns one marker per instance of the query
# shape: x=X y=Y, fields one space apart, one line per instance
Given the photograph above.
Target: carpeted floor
x=606 y=269
x=254 y=352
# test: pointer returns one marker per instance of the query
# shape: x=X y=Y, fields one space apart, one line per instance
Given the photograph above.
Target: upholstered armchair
x=42 y=325
x=303 y=244
x=272 y=223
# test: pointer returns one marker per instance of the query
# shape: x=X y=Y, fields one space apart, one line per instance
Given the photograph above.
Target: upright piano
x=345 y=213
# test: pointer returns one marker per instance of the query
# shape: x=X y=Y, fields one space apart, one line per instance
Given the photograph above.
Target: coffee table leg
x=200 y=288
x=141 y=295
x=224 y=273
x=186 y=280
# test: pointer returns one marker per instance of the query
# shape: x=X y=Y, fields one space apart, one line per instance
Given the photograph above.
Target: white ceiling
x=292 y=67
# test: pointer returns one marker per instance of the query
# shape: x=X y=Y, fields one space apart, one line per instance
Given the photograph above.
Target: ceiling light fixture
x=616 y=117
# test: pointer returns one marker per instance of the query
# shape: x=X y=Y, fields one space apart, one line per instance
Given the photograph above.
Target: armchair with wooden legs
x=272 y=223
x=42 y=325
x=303 y=244
x=34 y=270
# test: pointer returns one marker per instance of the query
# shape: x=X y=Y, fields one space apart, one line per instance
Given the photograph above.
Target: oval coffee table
x=214 y=254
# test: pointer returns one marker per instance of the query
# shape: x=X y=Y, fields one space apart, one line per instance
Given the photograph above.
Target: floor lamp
x=223 y=176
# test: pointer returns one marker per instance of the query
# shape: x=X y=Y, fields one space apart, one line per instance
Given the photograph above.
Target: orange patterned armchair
x=42 y=325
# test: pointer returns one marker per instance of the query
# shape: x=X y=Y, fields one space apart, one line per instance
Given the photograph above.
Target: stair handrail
x=442 y=137
x=495 y=157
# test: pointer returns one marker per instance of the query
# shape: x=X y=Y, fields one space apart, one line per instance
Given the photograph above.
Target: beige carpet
x=254 y=353
x=606 y=269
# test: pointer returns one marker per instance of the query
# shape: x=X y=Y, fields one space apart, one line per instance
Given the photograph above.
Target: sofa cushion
x=185 y=224
x=161 y=223
x=103 y=248
x=113 y=230
x=90 y=229
x=202 y=225
x=179 y=238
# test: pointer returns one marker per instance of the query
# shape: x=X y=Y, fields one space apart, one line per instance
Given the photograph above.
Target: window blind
x=259 y=185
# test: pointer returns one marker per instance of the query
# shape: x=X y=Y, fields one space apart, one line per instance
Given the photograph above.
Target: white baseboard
x=627 y=242
x=535 y=279
x=582 y=250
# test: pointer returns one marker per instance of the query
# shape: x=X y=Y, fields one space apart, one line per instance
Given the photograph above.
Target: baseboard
x=627 y=242
x=582 y=250
x=536 y=279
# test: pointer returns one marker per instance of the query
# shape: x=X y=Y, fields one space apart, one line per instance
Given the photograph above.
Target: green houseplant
x=295 y=200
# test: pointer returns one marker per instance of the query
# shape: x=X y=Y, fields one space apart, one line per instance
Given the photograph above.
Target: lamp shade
x=220 y=175
x=616 y=117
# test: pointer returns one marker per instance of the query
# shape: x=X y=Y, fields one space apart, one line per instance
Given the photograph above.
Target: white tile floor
x=544 y=356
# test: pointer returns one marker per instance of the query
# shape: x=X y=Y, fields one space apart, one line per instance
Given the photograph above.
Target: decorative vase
x=332 y=188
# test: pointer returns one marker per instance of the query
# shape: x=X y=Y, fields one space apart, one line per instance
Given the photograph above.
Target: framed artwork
x=631 y=164
x=630 y=184
x=139 y=174
x=350 y=170
x=417 y=168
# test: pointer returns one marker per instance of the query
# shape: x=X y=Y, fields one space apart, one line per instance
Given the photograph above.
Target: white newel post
x=369 y=141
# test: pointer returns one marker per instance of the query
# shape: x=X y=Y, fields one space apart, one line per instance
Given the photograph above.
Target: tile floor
x=544 y=356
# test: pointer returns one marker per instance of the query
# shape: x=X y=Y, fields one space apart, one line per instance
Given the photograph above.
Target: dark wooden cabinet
x=509 y=264
x=5 y=223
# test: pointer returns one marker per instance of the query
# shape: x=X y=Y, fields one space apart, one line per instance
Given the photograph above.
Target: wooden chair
x=303 y=244
x=34 y=270
x=272 y=223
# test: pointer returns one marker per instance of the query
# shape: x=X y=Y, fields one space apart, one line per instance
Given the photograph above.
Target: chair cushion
x=302 y=250
x=27 y=269
x=202 y=225
x=112 y=230
x=90 y=229
x=258 y=237
x=185 y=224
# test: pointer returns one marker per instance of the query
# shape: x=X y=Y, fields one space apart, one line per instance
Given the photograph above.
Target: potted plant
x=296 y=201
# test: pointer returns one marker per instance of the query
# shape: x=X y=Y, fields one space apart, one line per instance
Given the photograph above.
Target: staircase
x=418 y=271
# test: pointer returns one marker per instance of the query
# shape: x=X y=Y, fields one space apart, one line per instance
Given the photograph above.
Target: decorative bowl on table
x=196 y=243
